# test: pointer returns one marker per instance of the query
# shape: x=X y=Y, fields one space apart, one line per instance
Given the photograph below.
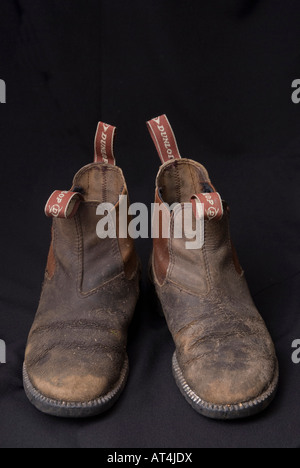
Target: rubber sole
x=225 y=412
x=64 y=409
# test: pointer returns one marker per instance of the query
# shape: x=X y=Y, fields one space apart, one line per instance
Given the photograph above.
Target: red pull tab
x=104 y=144
x=213 y=206
x=163 y=138
x=63 y=204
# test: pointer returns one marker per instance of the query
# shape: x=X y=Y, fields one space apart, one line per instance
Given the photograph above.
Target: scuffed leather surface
x=77 y=342
x=223 y=347
x=77 y=345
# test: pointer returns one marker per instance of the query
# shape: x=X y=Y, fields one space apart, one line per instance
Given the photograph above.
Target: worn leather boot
x=225 y=363
x=76 y=363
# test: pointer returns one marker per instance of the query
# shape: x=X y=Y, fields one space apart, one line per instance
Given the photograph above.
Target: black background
x=222 y=71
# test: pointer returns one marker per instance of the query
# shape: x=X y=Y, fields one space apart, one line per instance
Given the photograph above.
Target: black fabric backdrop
x=222 y=71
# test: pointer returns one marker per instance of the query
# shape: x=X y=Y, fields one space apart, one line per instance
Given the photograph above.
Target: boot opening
x=100 y=183
x=179 y=180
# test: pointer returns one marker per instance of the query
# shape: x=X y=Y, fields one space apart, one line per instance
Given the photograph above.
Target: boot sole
x=64 y=409
x=212 y=411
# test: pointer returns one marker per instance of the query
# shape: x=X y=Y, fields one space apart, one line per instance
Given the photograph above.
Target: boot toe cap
x=71 y=388
x=237 y=369
x=227 y=385
x=72 y=379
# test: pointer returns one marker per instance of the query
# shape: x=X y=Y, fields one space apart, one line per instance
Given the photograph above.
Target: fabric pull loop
x=63 y=204
x=212 y=203
x=164 y=139
x=104 y=144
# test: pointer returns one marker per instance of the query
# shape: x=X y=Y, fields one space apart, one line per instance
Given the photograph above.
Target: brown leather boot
x=76 y=363
x=225 y=363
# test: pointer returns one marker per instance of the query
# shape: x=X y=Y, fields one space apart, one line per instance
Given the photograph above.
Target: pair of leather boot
x=76 y=363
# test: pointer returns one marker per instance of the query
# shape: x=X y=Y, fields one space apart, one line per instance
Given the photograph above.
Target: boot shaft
x=76 y=247
x=180 y=182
